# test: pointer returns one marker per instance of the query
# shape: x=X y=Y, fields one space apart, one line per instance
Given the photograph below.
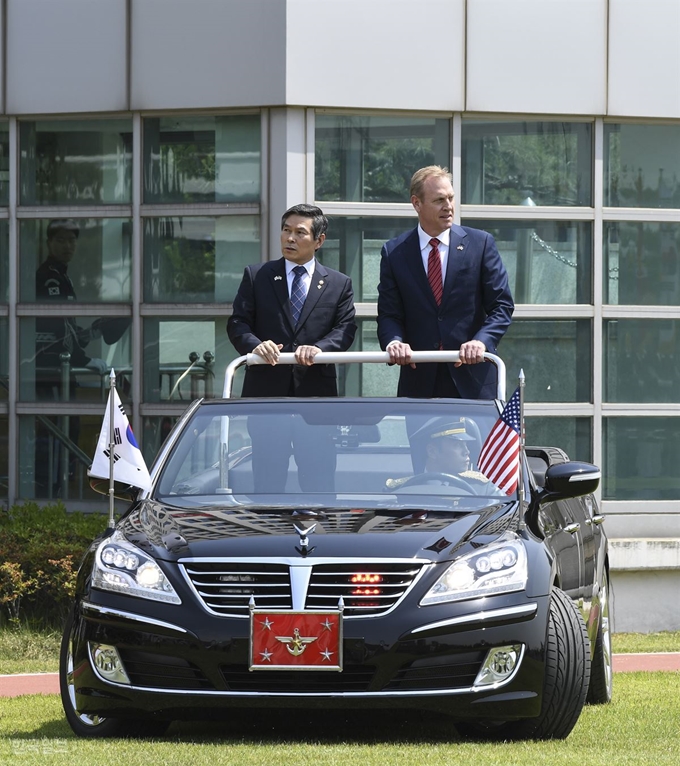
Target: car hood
x=170 y=533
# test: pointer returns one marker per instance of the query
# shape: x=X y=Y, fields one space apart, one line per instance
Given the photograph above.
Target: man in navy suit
x=294 y=304
x=464 y=304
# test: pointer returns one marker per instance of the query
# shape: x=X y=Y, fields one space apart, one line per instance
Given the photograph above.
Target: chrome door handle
x=572 y=528
x=596 y=520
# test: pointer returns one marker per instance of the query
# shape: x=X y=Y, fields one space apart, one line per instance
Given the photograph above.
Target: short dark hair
x=62 y=224
x=319 y=220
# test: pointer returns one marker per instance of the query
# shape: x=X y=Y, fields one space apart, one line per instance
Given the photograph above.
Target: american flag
x=499 y=458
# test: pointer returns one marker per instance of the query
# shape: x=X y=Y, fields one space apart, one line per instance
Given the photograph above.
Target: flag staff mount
x=112 y=445
x=522 y=442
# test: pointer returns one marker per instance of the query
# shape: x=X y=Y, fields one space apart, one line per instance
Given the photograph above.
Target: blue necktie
x=297 y=294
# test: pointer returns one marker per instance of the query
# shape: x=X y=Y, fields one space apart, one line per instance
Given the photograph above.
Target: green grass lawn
x=640 y=727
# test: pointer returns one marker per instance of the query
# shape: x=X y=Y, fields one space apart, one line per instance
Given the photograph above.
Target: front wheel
x=567 y=675
x=83 y=724
x=601 y=675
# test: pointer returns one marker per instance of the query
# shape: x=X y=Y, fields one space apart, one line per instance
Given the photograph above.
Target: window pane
x=641 y=362
x=198 y=260
x=573 y=435
x=547 y=261
x=372 y=159
x=202 y=159
x=555 y=355
x=4 y=163
x=4 y=358
x=367 y=379
x=84 y=259
x=527 y=163
x=68 y=358
x=155 y=431
x=76 y=162
x=186 y=358
x=353 y=246
x=641 y=165
x=641 y=458
x=55 y=452
x=642 y=263
x=4 y=261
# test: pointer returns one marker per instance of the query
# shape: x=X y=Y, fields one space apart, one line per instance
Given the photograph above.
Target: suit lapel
x=317 y=287
x=457 y=258
x=280 y=285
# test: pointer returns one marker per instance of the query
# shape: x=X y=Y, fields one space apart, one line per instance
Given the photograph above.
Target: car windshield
x=331 y=453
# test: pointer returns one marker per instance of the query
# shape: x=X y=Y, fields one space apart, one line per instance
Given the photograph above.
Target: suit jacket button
x=435 y=346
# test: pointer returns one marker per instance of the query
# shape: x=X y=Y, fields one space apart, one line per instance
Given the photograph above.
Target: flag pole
x=112 y=444
x=522 y=442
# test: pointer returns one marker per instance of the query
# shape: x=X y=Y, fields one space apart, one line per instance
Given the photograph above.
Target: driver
x=445 y=445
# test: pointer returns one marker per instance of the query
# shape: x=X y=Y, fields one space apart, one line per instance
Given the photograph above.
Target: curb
x=20 y=684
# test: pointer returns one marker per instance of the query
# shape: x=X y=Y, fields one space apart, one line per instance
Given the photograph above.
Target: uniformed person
x=54 y=335
x=444 y=443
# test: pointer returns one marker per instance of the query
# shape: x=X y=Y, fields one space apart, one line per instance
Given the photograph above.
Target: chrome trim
x=498 y=684
x=572 y=529
x=525 y=610
x=88 y=606
x=586 y=476
x=300 y=578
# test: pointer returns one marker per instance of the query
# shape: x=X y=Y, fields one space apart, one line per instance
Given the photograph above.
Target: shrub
x=40 y=551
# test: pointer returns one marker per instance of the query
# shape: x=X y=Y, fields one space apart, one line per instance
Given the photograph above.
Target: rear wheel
x=93 y=726
x=601 y=675
x=567 y=674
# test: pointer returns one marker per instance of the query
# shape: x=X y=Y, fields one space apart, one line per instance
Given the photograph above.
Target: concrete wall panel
x=644 y=58
x=207 y=53
x=66 y=56
x=536 y=56
x=376 y=54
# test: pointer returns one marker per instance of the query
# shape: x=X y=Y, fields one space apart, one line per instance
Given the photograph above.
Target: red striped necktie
x=434 y=271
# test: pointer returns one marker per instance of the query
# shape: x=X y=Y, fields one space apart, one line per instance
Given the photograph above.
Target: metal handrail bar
x=362 y=357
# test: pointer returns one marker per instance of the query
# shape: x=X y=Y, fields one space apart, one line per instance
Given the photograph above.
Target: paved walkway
x=48 y=683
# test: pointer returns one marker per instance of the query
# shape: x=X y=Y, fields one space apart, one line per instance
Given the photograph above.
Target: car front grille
x=451 y=671
x=366 y=588
x=352 y=679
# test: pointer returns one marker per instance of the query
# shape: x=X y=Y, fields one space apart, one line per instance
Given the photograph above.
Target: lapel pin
x=275 y=278
x=460 y=247
x=318 y=287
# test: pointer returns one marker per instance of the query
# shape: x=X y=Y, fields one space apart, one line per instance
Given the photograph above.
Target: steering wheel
x=444 y=478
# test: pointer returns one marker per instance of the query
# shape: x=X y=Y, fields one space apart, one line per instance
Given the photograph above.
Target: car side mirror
x=567 y=480
x=120 y=491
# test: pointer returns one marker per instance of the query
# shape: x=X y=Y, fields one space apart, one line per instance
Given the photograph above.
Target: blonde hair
x=420 y=176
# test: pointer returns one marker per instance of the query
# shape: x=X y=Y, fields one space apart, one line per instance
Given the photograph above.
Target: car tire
x=94 y=726
x=567 y=675
x=601 y=673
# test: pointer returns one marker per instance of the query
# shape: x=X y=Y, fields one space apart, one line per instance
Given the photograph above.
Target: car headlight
x=121 y=567
x=497 y=568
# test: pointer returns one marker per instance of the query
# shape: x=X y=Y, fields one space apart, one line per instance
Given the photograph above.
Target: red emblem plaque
x=281 y=640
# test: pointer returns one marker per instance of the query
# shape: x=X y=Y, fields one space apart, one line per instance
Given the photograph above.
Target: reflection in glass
x=155 y=430
x=55 y=452
x=202 y=159
x=641 y=458
x=573 y=435
x=4 y=261
x=547 y=261
x=372 y=159
x=353 y=246
x=4 y=456
x=4 y=359
x=84 y=259
x=555 y=355
x=524 y=163
x=198 y=260
x=76 y=162
x=367 y=379
x=642 y=263
x=185 y=359
x=642 y=165
x=69 y=358
x=641 y=361
x=4 y=163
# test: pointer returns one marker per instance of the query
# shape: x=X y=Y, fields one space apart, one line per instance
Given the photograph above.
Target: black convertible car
x=369 y=563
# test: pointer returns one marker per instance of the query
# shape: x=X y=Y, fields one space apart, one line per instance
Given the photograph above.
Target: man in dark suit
x=294 y=304
x=442 y=286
